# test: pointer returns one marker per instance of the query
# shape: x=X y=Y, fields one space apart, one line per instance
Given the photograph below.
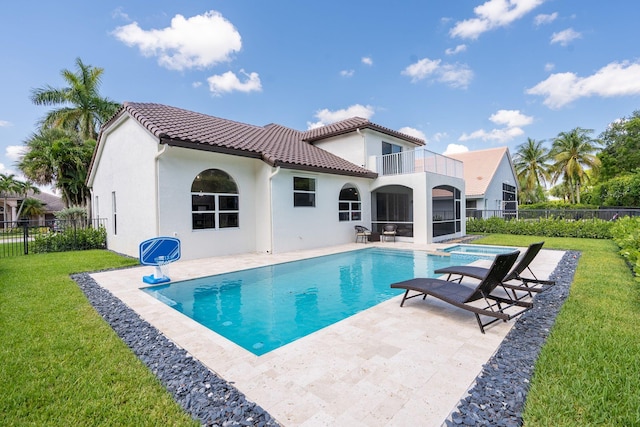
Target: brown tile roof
x=350 y=125
x=479 y=168
x=276 y=145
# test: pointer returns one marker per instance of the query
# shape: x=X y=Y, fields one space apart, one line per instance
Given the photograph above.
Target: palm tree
x=82 y=108
x=532 y=169
x=61 y=158
x=9 y=186
x=572 y=153
x=32 y=207
x=24 y=188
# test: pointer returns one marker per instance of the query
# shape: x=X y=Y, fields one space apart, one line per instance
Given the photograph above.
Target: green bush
x=71 y=239
x=626 y=234
x=556 y=205
x=551 y=227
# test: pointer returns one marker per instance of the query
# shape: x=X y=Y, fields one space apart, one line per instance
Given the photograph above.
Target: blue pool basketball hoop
x=159 y=252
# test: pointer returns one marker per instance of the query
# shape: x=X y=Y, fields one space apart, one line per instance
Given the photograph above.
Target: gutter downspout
x=274 y=173
x=157 y=192
x=364 y=148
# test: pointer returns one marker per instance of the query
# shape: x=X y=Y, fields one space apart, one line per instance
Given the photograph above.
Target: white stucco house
x=491 y=182
x=224 y=187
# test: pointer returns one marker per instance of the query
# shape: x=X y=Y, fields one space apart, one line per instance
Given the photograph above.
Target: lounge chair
x=526 y=284
x=362 y=233
x=462 y=296
x=388 y=231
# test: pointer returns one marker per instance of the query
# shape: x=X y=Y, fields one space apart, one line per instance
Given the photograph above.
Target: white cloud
x=493 y=14
x=196 y=42
x=325 y=116
x=367 y=60
x=496 y=135
x=196 y=84
x=15 y=152
x=543 y=19
x=455 y=148
x=439 y=136
x=614 y=79
x=456 y=50
x=454 y=75
x=565 y=37
x=3 y=169
x=549 y=66
x=347 y=73
x=413 y=132
x=229 y=82
x=512 y=120
x=4 y=123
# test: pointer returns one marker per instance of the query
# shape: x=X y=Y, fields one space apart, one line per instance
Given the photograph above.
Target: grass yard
x=588 y=373
x=60 y=363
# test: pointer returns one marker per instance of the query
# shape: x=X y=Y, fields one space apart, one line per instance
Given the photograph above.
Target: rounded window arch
x=214 y=200
x=447 y=211
x=349 y=206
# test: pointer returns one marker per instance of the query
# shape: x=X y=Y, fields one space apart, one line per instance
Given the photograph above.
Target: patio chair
x=362 y=233
x=463 y=296
x=389 y=230
x=528 y=285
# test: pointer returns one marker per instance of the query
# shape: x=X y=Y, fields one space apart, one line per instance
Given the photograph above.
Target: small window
x=214 y=201
x=304 y=192
x=349 y=206
x=388 y=148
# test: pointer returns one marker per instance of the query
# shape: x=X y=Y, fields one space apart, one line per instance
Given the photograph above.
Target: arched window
x=447 y=212
x=214 y=200
x=349 y=206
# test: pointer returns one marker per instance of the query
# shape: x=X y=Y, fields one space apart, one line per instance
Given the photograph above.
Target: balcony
x=418 y=160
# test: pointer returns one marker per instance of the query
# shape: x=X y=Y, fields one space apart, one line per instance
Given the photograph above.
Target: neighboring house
x=224 y=187
x=52 y=204
x=491 y=182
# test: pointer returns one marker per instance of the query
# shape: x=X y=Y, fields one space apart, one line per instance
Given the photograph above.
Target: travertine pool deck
x=385 y=366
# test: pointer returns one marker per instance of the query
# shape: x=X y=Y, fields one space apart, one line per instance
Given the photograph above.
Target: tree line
x=59 y=152
x=580 y=169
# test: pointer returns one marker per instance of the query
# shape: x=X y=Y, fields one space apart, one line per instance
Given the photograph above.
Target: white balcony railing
x=418 y=160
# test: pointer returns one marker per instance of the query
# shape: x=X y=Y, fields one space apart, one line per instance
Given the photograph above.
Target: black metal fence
x=569 y=214
x=25 y=237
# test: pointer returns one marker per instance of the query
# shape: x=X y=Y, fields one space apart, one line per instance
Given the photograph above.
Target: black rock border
x=208 y=398
x=496 y=398
x=498 y=394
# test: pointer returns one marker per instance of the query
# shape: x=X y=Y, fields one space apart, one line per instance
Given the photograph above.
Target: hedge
x=550 y=227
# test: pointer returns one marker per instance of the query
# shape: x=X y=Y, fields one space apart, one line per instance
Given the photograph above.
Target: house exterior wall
x=126 y=168
x=297 y=228
x=493 y=196
x=422 y=184
x=178 y=167
x=361 y=148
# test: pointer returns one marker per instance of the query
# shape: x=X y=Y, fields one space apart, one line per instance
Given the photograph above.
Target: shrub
x=626 y=234
x=551 y=227
x=71 y=239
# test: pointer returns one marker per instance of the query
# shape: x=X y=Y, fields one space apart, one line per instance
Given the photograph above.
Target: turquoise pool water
x=478 y=250
x=264 y=308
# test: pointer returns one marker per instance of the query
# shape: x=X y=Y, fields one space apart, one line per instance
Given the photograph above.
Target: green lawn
x=60 y=363
x=588 y=373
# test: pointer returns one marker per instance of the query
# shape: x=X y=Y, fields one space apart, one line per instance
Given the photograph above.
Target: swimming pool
x=478 y=250
x=264 y=308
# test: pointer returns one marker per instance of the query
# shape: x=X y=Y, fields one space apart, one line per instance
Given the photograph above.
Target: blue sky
x=460 y=74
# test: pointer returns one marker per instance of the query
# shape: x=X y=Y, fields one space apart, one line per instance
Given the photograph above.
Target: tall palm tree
x=61 y=158
x=9 y=186
x=572 y=153
x=531 y=163
x=32 y=207
x=24 y=188
x=81 y=107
